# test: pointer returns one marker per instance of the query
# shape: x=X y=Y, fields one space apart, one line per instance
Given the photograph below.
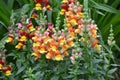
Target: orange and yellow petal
x=73 y=22
x=54 y=48
x=36 y=44
x=42 y=50
x=19 y=46
x=49 y=55
x=62 y=12
x=48 y=7
x=65 y=53
x=65 y=47
x=37 y=54
x=58 y=57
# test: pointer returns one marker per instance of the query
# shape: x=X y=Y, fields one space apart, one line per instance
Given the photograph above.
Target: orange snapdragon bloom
x=93 y=31
x=50 y=54
x=94 y=43
x=61 y=40
x=43 y=48
x=70 y=42
x=53 y=45
x=58 y=57
x=19 y=45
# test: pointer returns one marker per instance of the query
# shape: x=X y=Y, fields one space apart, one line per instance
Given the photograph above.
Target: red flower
x=64 y=6
x=39 y=1
x=46 y=2
x=7 y=70
x=23 y=33
x=1 y=64
x=29 y=25
x=94 y=43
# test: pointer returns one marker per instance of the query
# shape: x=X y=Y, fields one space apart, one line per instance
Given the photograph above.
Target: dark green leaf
x=20 y=70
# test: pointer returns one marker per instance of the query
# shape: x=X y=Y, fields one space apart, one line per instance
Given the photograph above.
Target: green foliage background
x=104 y=12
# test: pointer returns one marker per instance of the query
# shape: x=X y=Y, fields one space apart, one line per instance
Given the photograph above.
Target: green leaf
x=3 y=42
x=99 y=12
x=98 y=60
x=86 y=4
x=112 y=70
x=4 y=8
x=115 y=65
x=3 y=24
x=4 y=18
x=11 y=54
x=118 y=48
x=10 y=4
x=55 y=78
x=49 y=15
x=104 y=7
x=25 y=8
x=20 y=70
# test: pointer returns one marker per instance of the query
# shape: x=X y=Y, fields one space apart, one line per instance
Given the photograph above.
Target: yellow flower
x=9 y=39
x=8 y=72
x=19 y=46
x=65 y=47
x=58 y=57
x=77 y=31
x=42 y=48
x=31 y=28
x=46 y=39
x=54 y=48
x=81 y=5
x=98 y=47
x=49 y=55
x=34 y=54
x=80 y=15
x=37 y=54
x=38 y=6
x=72 y=34
x=73 y=22
x=34 y=38
x=68 y=25
x=23 y=38
x=62 y=42
x=36 y=44
x=1 y=66
x=48 y=7
x=62 y=12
